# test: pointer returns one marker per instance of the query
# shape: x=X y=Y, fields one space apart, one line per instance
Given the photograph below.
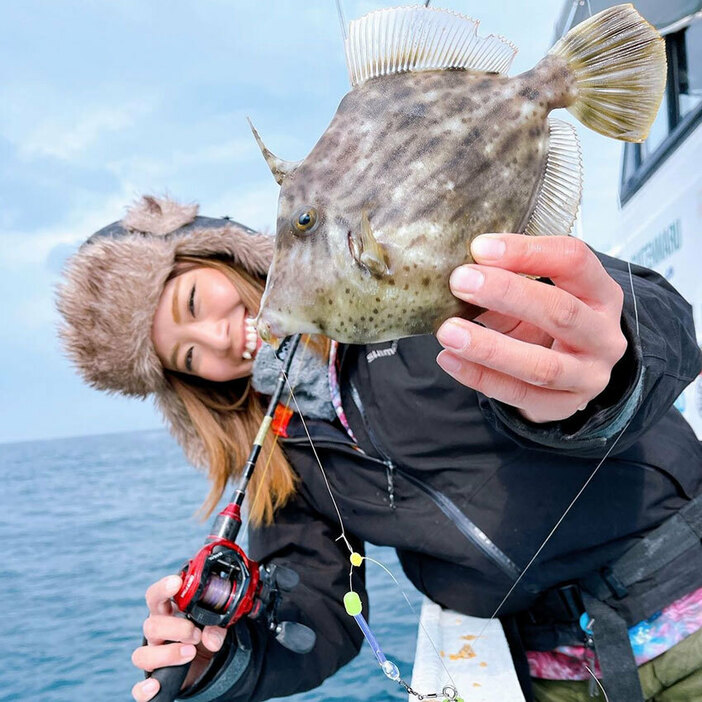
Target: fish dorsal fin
x=401 y=39
x=558 y=200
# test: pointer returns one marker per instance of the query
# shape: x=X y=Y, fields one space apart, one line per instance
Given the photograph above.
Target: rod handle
x=171 y=678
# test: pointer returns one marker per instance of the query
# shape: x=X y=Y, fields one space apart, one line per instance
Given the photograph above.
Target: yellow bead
x=356 y=559
x=352 y=603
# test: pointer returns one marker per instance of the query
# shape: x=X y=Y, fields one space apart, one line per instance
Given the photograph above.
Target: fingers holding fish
x=558 y=313
x=550 y=349
x=536 y=404
x=530 y=363
x=567 y=261
x=515 y=328
x=581 y=310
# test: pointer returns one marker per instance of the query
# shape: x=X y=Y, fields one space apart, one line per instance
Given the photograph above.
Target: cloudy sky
x=101 y=101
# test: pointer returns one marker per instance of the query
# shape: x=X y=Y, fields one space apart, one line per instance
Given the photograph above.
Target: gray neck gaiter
x=308 y=375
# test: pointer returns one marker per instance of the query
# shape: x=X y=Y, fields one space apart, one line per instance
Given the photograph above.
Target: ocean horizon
x=88 y=523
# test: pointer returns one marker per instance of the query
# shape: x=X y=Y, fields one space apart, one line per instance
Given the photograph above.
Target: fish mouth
x=269 y=332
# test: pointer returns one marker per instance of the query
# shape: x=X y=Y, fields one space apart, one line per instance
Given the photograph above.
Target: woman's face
x=201 y=327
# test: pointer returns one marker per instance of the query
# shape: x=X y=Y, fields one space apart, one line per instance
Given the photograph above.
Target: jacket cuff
x=604 y=417
x=226 y=669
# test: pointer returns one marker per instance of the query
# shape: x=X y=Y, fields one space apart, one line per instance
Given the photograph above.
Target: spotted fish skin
x=433 y=146
x=434 y=159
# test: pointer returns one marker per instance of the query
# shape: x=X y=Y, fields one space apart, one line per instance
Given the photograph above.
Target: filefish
x=433 y=145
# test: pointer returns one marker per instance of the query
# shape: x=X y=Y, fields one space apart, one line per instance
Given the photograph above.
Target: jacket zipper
x=467 y=527
x=389 y=465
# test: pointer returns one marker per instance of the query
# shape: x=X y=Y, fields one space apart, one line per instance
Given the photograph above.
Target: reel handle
x=171 y=678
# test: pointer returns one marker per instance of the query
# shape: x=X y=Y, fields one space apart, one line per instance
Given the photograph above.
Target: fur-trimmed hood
x=112 y=286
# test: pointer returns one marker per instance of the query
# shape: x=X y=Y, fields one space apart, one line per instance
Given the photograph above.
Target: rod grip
x=171 y=678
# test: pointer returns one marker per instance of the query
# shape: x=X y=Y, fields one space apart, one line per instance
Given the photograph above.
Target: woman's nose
x=215 y=334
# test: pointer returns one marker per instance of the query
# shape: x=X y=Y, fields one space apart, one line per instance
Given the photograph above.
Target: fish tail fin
x=618 y=61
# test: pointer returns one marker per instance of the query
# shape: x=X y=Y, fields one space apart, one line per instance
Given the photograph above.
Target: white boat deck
x=453 y=649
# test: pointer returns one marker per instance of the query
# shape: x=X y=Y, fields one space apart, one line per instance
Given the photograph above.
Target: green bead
x=352 y=603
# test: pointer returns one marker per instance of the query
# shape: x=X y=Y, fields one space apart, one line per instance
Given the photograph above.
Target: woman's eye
x=305 y=221
x=189 y=360
x=191 y=301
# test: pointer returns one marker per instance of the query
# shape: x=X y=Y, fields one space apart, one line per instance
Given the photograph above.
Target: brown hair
x=227 y=417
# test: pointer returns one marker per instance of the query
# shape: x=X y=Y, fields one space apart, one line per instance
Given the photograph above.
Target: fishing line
x=577 y=496
x=319 y=463
x=342 y=21
x=594 y=677
x=414 y=611
x=633 y=295
x=352 y=602
x=553 y=531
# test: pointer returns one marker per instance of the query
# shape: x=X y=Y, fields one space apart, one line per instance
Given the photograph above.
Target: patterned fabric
x=335 y=391
x=649 y=639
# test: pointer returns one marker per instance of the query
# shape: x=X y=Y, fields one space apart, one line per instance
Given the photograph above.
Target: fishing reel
x=221 y=584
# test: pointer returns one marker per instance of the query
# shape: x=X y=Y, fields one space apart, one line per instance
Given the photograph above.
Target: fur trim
x=158 y=216
x=112 y=286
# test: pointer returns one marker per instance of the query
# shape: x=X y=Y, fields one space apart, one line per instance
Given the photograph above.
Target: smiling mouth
x=251 y=338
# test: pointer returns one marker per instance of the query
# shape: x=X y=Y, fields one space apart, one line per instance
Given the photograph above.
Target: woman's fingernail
x=187 y=651
x=448 y=362
x=453 y=336
x=149 y=686
x=466 y=280
x=488 y=247
x=217 y=638
x=172 y=582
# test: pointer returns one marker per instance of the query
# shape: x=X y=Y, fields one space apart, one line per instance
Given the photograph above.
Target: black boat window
x=659 y=131
x=691 y=70
x=679 y=114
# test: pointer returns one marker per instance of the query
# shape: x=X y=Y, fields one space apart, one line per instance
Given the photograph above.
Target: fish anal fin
x=558 y=200
x=401 y=39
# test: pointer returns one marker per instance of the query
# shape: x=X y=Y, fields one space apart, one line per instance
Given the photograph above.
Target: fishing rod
x=221 y=584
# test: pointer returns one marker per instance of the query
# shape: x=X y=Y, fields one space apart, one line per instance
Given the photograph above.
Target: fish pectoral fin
x=375 y=265
x=372 y=253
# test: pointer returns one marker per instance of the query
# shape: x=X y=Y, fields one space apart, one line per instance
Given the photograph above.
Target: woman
x=465 y=485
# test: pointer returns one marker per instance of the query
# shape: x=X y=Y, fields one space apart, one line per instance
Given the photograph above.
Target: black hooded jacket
x=466 y=491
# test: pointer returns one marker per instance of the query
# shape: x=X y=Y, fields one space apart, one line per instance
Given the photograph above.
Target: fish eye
x=305 y=221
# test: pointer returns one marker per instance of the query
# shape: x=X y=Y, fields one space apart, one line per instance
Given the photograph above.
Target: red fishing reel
x=220 y=585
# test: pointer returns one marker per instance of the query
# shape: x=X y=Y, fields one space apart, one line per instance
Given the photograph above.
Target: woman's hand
x=189 y=643
x=544 y=349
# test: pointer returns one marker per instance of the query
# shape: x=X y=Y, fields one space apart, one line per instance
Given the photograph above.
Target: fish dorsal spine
x=402 y=39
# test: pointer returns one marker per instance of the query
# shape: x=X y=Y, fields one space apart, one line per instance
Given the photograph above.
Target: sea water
x=86 y=525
